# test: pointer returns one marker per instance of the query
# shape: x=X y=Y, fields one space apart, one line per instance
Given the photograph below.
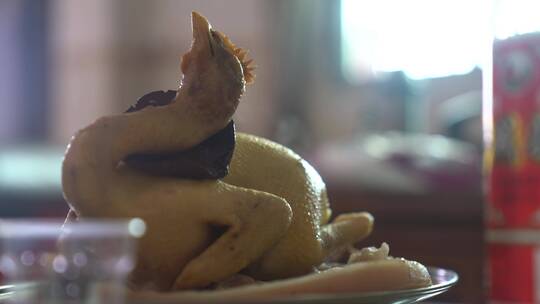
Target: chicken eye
x=216 y=37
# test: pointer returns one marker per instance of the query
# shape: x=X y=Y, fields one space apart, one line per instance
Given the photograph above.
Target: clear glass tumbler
x=45 y=261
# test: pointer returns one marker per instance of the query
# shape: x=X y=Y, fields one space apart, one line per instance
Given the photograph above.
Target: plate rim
x=428 y=291
x=434 y=289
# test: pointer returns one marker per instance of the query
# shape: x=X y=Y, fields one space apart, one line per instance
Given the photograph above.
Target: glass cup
x=44 y=261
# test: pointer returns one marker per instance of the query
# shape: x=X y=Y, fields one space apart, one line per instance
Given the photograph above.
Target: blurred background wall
x=108 y=54
x=86 y=59
x=384 y=97
x=65 y=63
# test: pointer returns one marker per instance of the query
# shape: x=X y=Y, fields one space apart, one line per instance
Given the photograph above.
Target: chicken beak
x=202 y=39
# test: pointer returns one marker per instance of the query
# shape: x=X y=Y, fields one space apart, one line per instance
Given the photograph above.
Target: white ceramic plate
x=442 y=279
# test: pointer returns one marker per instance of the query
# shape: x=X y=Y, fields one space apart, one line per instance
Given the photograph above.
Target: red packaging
x=513 y=173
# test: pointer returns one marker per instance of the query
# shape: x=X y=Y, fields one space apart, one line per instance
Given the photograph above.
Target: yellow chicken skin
x=271 y=210
x=263 y=165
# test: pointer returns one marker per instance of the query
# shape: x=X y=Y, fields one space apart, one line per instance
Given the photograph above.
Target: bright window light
x=513 y=17
x=426 y=38
x=31 y=169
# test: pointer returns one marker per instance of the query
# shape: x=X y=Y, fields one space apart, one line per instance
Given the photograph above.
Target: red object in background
x=515 y=285
x=513 y=173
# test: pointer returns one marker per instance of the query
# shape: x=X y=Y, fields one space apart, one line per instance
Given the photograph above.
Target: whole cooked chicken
x=268 y=218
